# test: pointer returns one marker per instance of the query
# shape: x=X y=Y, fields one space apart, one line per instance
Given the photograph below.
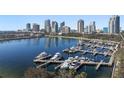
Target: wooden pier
x=43 y=64
x=44 y=61
x=77 y=67
x=57 y=67
x=82 y=62
x=94 y=53
x=97 y=67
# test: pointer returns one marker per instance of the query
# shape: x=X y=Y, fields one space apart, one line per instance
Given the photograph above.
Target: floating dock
x=97 y=67
x=82 y=62
x=57 y=67
x=43 y=64
x=94 y=53
x=78 y=66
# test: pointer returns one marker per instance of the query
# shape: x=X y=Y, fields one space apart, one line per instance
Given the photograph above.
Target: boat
x=43 y=55
x=80 y=43
x=65 y=65
x=66 y=50
x=71 y=50
x=57 y=56
x=74 y=65
x=76 y=58
x=82 y=58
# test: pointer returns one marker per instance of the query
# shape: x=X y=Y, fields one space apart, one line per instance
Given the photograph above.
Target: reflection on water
x=17 y=55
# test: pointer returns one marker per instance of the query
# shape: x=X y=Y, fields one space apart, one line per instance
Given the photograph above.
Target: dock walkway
x=98 y=66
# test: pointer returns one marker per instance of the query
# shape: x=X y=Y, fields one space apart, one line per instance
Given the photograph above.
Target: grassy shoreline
x=83 y=38
x=119 y=64
x=17 y=38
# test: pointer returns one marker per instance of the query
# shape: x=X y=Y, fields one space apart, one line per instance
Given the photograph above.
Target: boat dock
x=44 y=61
x=43 y=64
x=82 y=62
x=57 y=67
x=97 y=67
x=78 y=66
x=110 y=52
x=94 y=53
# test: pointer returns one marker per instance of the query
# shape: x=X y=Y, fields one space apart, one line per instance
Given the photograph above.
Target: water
x=16 y=56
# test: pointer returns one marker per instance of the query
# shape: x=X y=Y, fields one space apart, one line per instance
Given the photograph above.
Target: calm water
x=16 y=56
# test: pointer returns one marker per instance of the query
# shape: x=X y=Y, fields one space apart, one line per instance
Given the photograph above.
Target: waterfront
x=16 y=56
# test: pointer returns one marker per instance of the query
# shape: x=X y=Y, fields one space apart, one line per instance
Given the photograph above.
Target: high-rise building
x=80 y=26
x=105 y=29
x=114 y=24
x=65 y=29
x=92 y=27
x=61 y=26
x=111 y=26
x=28 y=27
x=86 y=29
x=54 y=27
x=117 y=24
x=36 y=27
x=47 y=26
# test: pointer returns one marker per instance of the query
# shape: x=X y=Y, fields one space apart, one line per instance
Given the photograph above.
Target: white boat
x=43 y=55
x=57 y=56
x=66 y=63
x=66 y=50
x=72 y=48
x=82 y=58
x=72 y=66
x=80 y=43
x=76 y=58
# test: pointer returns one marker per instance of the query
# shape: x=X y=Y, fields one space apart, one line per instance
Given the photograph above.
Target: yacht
x=74 y=65
x=57 y=56
x=43 y=55
x=82 y=58
x=66 y=63
x=66 y=50
x=71 y=50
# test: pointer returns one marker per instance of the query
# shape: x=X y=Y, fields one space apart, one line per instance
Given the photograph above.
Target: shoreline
x=27 y=37
x=19 y=38
x=59 y=36
x=72 y=37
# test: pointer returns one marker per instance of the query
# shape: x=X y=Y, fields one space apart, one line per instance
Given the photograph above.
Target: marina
x=98 y=48
x=26 y=51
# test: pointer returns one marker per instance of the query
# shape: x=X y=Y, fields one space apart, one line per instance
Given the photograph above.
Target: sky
x=15 y=22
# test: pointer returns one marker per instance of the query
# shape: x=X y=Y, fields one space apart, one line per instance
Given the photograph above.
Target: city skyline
x=15 y=22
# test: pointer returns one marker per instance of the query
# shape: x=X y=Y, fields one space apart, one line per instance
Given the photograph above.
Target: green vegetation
x=96 y=36
x=18 y=35
x=112 y=37
x=119 y=67
x=43 y=73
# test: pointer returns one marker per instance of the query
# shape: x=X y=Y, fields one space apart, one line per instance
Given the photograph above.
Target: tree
x=81 y=75
x=43 y=73
x=38 y=73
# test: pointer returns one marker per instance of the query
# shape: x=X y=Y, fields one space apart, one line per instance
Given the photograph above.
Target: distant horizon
x=15 y=22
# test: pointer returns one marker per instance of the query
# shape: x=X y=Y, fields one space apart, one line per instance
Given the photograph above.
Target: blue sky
x=14 y=22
